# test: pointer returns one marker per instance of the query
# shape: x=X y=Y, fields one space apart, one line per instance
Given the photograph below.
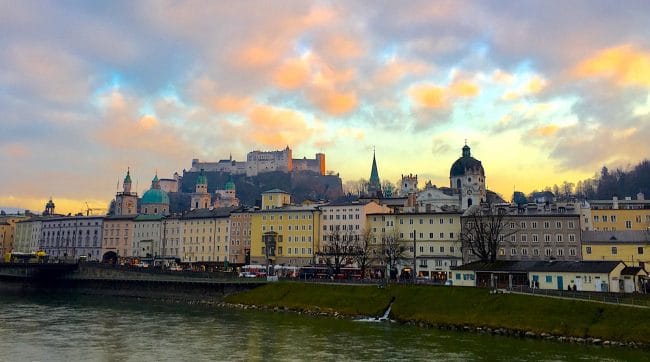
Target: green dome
x=230 y=185
x=201 y=180
x=155 y=196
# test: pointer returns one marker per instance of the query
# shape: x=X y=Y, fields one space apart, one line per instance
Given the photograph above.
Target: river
x=84 y=328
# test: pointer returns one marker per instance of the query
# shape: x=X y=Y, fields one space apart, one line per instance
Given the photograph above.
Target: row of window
x=547 y=225
x=289 y=228
x=535 y=238
x=547 y=252
x=290 y=217
x=614 y=250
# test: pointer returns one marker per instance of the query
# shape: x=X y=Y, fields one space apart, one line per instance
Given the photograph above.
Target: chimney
x=615 y=202
x=640 y=196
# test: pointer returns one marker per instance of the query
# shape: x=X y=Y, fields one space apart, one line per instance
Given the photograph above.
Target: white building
x=72 y=236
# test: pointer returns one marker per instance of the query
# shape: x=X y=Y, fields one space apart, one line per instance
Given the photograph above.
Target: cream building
x=240 y=236
x=118 y=232
x=147 y=236
x=436 y=237
x=205 y=236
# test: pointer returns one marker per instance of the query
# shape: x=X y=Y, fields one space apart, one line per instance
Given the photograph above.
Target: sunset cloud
x=624 y=65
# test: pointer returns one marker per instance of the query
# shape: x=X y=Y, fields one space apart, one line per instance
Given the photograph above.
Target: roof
x=275 y=191
x=615 y=236
x=209 y=213
x=348 y=202
x=541 y=266
x=149 y=218
x=292 y=208
x=119 y=217
x=465 y=163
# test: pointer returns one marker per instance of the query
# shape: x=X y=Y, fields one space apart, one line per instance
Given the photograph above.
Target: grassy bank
x=461 y=306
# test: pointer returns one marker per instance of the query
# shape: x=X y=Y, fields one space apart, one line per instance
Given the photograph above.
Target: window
x=639 y=250
x=523 y=238
x=534 y=224
x=595 y=218
x=548 y=252
x=558 y=238
x=613 y=218
x=547 y=224
x=451 y=249
x=442 y=235
x=512 y=225
x=534 y=238
x=524 y=251
x=572 y=251
x=536 y=252
x=560 y=252
x=522 y=224
x=442 y=249
x=572 y=238
x=513 y=238
x=614 y=250
x=502 y=252
x=628 y=224
x=571 y=225
x=604 y=218
x=588 y=249
x=513 y=251
x=547 y=238
x=549 y=279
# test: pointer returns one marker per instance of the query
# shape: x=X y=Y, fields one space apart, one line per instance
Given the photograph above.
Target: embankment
x=463 y=308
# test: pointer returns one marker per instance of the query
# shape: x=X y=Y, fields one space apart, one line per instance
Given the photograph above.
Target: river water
x=83 y=328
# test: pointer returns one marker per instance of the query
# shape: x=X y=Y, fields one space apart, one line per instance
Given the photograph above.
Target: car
x=175 y=268
x=449 y=282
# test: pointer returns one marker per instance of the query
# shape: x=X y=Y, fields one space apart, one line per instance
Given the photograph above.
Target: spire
x=466 y=152
x=127 y=178
x=374 y=185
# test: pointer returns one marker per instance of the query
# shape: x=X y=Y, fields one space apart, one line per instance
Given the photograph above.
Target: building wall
x=146 y=238
x=631 y=253
x=23 y=236
x=172 y=246
x=118 y=236
x=264 y=161
x=437 y=240
x=73 y=236
x=350 y=220
x=620 y=219
x=7 y=232
x=272 y=200
x=205 y=239
x=297 y=226
x=240 y=236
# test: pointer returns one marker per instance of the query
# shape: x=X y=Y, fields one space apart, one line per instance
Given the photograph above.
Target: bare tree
x=337 y=250
x=363 y=250
x=483 y=226
x=392 y=250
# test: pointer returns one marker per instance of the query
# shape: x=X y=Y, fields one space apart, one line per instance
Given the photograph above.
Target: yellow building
x=436 y=236
x=275 y=198
x=630 y=247
x=291 y=234
x=205 y=236
x=8 y=231
x=617 y=215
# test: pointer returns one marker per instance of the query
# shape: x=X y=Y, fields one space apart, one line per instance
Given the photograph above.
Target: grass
x=461 y=306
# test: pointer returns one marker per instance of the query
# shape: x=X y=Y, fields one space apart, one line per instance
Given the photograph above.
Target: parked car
x=175 y=268
x=449 y=282
x=247 y=274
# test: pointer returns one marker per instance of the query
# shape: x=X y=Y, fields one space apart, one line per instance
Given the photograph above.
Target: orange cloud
x=277 y=127
x=625 y=65
x=533 y=86
x=334 y=102
x=231 y=104
x=428 y=96
x=16 y=150
x=465 y=88
x=396 y=70
x=256 y=56
x=341 y=47
x=545 y=131
x=292 y=74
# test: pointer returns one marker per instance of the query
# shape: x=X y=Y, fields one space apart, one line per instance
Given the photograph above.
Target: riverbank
x=471 y=309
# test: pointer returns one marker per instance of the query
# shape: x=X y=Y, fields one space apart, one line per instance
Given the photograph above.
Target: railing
x=642 y=300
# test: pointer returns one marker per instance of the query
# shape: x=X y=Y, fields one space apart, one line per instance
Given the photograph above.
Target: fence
x=642 y=300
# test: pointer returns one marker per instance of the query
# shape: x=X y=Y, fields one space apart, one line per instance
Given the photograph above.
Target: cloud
x=624 y=65
x=277 y=127
x=435 y=96
x=292 y=74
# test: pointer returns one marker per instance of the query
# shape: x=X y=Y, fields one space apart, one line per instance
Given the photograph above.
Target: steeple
x=127 y=181
x=374 y=185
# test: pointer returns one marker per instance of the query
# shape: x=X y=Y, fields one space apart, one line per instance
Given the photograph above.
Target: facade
x=171 y=247
x=118 y=232
x=630 y=247
x=347 y=220
x=126 y=202
x=206 y=236
x=541 y=237
x=147 y=236
x=617 y=215
x=434 y=199
x=593 y=276
x=8 y=232
x=468 y=176
x=264 y=161
x=240 y=237
x=436 y=237
x=72 y=236
x=290 y=235
x=275 y=199
x=23 y=236
x=155 y=201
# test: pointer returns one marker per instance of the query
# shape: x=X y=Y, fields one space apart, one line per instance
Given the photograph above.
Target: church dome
x=466 y=163
x=155 y=196
x=201 y=179
x=230 y=185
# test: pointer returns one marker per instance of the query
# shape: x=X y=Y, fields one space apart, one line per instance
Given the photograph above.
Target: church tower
x=126 y=201
x=374 y=185
x=49 y=208
x=201 y=197
x=468 y=177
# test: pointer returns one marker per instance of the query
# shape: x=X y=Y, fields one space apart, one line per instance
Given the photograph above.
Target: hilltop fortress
x=263 y=161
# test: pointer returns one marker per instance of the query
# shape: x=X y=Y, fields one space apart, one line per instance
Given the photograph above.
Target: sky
x=542 y=91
